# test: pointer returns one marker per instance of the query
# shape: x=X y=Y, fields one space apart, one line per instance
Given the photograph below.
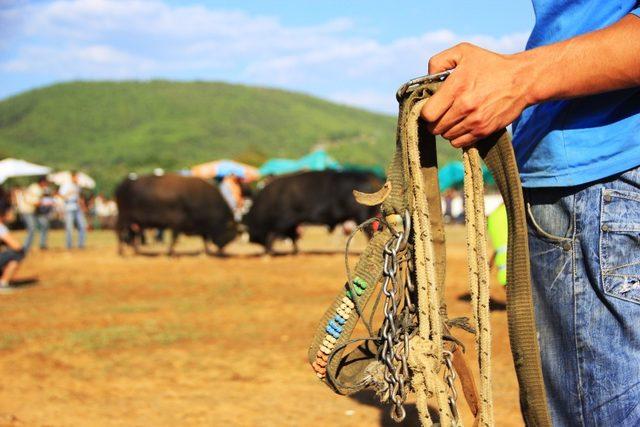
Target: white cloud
x=103 y=39
x=368 y=98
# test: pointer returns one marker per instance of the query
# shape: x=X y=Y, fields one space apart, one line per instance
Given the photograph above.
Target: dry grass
x=198 y=341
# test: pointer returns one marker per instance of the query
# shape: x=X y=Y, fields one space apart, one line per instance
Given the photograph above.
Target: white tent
x=11 y=168
x=84 y=180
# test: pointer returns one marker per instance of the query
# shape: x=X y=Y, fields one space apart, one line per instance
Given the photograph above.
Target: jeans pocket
x=551 y=220
x=620 y=244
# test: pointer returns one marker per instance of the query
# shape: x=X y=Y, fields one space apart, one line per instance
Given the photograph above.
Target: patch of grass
x=9 y=341
x=127 y=336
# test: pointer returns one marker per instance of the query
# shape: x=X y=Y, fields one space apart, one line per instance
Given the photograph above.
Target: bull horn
x=373 y=199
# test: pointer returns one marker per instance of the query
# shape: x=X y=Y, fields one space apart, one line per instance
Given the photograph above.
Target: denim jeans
x=71 y=217
x=585 y=267
x=31 y=222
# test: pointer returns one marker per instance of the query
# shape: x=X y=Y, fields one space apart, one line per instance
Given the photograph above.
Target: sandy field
x=103 y=340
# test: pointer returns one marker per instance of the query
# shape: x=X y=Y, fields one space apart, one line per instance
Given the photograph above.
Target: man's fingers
x=445 y=60
x=464 y=140
x=455 y=130
x=451 y=119
x=439 y=103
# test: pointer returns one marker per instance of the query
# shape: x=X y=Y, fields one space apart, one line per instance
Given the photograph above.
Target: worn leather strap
x=497 y=153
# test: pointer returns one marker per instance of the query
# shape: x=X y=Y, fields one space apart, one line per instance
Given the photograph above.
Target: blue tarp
x=315 y=161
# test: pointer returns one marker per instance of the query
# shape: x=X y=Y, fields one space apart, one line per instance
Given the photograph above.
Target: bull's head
x=225 y=234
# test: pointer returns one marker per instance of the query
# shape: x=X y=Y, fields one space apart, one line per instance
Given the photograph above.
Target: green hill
x=111 y=128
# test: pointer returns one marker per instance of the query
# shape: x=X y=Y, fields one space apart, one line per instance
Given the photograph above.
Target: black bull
x=181 y=204
x=324 y=198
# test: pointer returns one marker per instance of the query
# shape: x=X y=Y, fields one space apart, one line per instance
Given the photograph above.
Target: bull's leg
x=207 y=249
x=119 y=236
x=172 y=243
x=268 y=245
x=136 y=243
x=294 y=235
x=120 y=245
x=135 y=231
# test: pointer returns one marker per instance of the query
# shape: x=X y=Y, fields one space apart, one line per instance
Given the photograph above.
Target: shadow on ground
x=24 y=282
x=176 y=254
x=369 y=398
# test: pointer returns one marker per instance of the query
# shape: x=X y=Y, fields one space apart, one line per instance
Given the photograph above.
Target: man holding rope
x=574 y=99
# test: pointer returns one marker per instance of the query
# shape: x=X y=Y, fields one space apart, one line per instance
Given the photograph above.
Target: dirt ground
x=100 y=340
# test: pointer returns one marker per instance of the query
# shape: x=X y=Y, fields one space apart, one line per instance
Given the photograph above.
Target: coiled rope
x=432 y=353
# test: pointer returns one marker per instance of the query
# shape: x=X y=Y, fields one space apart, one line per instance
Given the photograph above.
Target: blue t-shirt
x=572 y=142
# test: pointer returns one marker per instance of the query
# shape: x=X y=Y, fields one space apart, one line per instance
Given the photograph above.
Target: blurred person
x=89 y=204
x=43 y=214
x=73 y=211
x=99 y=206
x=12 y=253
x=104 y=210
x=112 y=213
x=33 y=213
x=231 y=189
x=22 y=208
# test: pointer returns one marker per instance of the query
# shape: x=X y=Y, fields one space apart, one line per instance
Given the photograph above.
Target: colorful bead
x=319 y=375
x=325 y=350
x=349 y=295
x=348 y=302
x=327 y=344
x=331 y=339
x=343 y=314
x=361 y=283
x=321 y=355
x=319 y=369
x=339 y=319
x=359 y=291
x=321 y=363
x=332 y=332
x=335 y=326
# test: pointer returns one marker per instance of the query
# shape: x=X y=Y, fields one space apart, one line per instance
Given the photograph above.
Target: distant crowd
x=41 y=206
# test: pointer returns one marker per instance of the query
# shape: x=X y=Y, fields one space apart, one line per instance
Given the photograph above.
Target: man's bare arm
x=487 y=91
x=11 y=242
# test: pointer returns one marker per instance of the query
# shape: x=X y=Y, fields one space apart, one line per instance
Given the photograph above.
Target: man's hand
x=483 y=94
x=487 y=91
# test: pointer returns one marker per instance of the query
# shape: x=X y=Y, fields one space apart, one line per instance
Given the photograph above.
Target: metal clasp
x=412 y=84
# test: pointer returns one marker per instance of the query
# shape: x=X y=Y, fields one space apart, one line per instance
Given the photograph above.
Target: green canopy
x=315 y=161
x=452 y=175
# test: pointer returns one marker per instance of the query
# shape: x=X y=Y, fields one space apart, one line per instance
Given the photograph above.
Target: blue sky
x=349 y=51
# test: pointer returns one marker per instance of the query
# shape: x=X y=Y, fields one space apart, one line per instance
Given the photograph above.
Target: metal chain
x=450 y=377
x=399 y=321
x=396 y=324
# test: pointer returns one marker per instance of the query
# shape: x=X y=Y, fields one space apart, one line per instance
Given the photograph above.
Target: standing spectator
x=33 y=214
x=23 y=209
x=44 y=212
x=231 y=190
x=12 y=255
x=73 y=211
